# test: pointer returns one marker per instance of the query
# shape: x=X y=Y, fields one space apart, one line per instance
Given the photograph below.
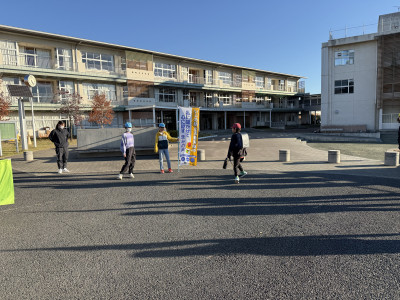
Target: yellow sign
x=6 y=183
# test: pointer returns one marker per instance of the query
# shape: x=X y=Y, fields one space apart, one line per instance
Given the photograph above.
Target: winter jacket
x=127 y=141
x=236 y=145
x=59 y=137
x=162 y=139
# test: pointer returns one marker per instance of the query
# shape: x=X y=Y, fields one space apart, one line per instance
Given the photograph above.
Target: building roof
x=16 y=30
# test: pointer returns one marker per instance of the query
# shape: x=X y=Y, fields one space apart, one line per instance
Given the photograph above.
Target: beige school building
x=145 y=87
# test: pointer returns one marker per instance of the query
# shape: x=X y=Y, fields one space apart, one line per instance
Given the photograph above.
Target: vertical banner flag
x=6 y=183
x=189 y=121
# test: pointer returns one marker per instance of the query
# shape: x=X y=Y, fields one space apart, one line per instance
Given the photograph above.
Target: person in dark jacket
x=398 y=132
x=235 y=151
x=59 y=136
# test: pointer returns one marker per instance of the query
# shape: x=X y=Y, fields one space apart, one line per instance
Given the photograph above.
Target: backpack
x=245 y=145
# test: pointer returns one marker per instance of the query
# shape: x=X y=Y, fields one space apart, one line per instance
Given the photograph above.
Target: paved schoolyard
x=299 y=230
x=263 y=154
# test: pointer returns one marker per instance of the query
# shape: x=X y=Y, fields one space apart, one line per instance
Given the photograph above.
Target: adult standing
x=59 y=136
x=128 y=151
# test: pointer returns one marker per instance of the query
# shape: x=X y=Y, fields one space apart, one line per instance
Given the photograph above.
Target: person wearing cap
x=235 y=150
x=161 y=146
x=128 y=151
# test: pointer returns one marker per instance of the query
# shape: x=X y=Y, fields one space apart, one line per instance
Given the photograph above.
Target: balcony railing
x=34 y=61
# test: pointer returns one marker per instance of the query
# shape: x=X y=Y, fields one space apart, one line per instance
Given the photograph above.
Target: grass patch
x=9 y=148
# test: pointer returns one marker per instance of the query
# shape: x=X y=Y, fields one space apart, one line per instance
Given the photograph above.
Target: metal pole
x=270 y=119
x=21 y=112
x=244 y=119
x=225 y=119
x=130 y=116
x=154 y=116
x=33 y=125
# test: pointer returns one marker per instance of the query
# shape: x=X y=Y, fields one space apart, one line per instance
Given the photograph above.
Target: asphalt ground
x=197 y=235
x=302 y=229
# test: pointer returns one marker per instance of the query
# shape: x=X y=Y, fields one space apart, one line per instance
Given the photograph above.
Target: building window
x=225 y=77
x=64 y=59
x=344 y=86
x=92 y=89
x=292 y=86
x=98 y=61
x=43 y=92
x=208 y=76
x=164 y=70
x=260 y=81
x=208 y=99
x=226 y=98
x=166 y=95
x=344 y=57
x=139 y=89
x=65 y=87
x=37 y=58
x=8 y=51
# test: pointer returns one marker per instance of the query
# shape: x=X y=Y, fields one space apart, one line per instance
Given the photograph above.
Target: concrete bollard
x=391 y=158
x=334 y=156
x=201 y=154
x=284 y=155
x=28 y=155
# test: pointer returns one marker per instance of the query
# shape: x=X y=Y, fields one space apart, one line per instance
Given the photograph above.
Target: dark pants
x=398 y=137
x=237 y=165
x=130 y=158
x=62 y=157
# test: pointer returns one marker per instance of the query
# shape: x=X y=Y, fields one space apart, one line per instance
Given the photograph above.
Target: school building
x=361 y=78
x=144 y=87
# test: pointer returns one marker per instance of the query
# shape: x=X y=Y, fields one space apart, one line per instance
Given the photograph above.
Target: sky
x=278 y=36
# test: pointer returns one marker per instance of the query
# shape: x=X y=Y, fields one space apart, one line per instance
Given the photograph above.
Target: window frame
x=344 y=86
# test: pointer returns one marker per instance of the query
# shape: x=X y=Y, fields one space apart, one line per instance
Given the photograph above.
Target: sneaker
x=60 y=171
x=65 y=170
x=237 y=179
x=119 y=177
x=170 y=170
x=132 y=176
x=162 y=171
x=243 y=173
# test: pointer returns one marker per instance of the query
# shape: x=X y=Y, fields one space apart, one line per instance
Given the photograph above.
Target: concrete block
x=284 y=155
x=28 y=155
x=334 y=156
x=201 y=154
x=391 y=158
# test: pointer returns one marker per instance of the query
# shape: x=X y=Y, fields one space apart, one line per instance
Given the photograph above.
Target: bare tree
x=71 y=107
x=102 y=112
x=5 y=103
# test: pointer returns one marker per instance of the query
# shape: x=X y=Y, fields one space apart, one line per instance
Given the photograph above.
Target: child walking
x=161 y=146
x=128 y=151
x=236 y=150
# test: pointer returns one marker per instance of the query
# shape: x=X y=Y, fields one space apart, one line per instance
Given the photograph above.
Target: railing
x=34 y=61
x=352 y=31
x=389 y=118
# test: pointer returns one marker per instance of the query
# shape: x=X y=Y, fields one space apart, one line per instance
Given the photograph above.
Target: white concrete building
x=360 y=84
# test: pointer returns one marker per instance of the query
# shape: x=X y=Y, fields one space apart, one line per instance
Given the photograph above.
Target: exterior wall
x=125 y=72
x=351 y=109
